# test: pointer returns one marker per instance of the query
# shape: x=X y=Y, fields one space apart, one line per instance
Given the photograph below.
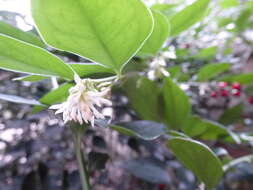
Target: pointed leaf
x=30 y=78
x=109 y=32
x=177 y=105
x=199 y=159
x=212 y=70
x=188 y=16
x=16 y=33
x=22 y=57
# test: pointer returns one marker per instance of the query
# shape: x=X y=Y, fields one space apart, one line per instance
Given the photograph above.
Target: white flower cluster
x=84 y=99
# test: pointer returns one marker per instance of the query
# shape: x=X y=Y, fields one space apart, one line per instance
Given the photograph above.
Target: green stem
x=84 y=176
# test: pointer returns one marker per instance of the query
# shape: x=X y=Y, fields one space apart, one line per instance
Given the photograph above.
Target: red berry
x=214 y=94
x=161 y=186
x=236 y=92
x=251 y=100
x=222 y=84
x=224 y=93
x=237 y=86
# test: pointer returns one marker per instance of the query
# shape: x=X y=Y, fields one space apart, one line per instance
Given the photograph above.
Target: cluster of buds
x=84 y=101
x=223 y=89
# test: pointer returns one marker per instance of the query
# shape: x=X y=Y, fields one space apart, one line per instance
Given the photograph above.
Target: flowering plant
x=116 y=37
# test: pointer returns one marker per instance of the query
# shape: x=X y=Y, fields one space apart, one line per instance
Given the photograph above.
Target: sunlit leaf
x=188 y=16
x=109 y=32
x=18 y=34
x=19 y=56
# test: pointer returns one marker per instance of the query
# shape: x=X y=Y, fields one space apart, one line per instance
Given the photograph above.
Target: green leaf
x=207 y=53
x=167 y=9
x=30 y=78
x=18 y=34
x=244 y=79
x=232 y=115
x=147 y=130
x=143 y=95
x=158 y=37
x=55 y=96
x=199 y=159
x=188 y=16
x=19 y=100
x=90 y=69
x=109 y=32
x=212 y=70
x=229 y=3
x=177 y=105
x=208 y=130
x=22 y=57
x=194 y=126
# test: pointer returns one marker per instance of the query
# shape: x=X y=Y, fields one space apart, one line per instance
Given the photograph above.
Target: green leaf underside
x=212 y=70
x=16 y=33
x=159 y=35
x=177 y=106
x=188 y=16
x=19 y=100
x=109 y=32
x=147 y=130
x=199 y=159
x=19 y=56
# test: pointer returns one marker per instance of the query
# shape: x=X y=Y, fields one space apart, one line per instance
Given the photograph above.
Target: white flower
x=157 y=68
x=84 y=99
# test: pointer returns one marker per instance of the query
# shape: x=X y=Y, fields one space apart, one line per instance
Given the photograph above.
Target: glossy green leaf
x=232 y=115
x=212 y=70
x=188 y=16
x=30 y=78
x=199 y=159
x=158 y=37
x=90 y=69
x=19 y=56
x=109 y=32
x=19 y=100
x=177 y=105
x=16 y=33
x=244 y=79
x=144 y=95
x=147 y=130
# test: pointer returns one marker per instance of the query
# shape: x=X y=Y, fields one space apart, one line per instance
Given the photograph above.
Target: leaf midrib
x=99 y=38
